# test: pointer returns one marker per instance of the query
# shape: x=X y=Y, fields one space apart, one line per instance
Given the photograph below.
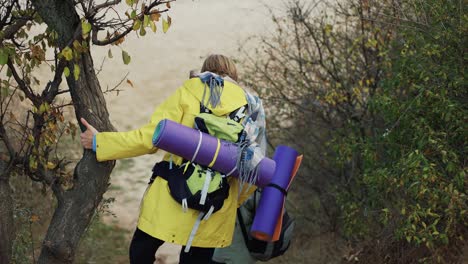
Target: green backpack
x=220 y=127
x=196 y=186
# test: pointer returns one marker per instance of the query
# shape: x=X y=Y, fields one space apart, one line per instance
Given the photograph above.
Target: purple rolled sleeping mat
x=274 y=176
x=204 y=149
x=268 y=217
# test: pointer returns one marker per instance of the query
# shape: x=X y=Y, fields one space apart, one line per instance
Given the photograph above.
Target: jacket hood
x=232 y=97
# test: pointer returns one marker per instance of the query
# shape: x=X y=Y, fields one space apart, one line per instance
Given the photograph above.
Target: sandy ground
x=160 y=63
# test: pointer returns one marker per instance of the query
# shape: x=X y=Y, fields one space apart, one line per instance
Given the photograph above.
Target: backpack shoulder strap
x=235 y=115
x=204 y=109
x=238 y=114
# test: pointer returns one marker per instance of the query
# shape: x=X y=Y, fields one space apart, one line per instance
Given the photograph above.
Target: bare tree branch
x=11 y=30
x=22 y=84
x=114 y=89
x=95 y=9
x=6 y=141
x=111 y=40
x=51 y=90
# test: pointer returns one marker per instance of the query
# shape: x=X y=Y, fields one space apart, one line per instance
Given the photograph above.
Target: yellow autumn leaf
x=85 y=27
x=50 y=165
x=76 y=71
x=42 y=108
x=66 y=71
x=67 y=53
x=328 y=28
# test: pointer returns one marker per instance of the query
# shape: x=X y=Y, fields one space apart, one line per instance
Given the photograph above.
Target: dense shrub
x=373 y=93
x=413 y=184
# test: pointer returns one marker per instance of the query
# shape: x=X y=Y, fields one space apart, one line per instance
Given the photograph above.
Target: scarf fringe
x=215 y=84
x=253 y=148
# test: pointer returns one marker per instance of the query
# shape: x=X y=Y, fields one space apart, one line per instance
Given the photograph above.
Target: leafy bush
x=315 y=75
x=413 y=183
x=373 y=93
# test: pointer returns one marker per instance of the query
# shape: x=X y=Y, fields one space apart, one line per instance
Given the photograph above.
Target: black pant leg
x=143 y=248
x=196 y=255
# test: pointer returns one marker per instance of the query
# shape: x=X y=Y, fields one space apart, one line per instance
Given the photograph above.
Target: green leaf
x=146 y=21
x=4 y=91
x=66 y=71
x=152 y=25
x=126 y=58
x=76 y=71
x=142 y=31
x=85 y=27
x=67 y=53
x=32 y=164
x=3 y=57
x=166 y=24
x=328 y=28
x=53 y=35
x=42 y=108
x=129 y=2
x=136 y=25
x=133 y=14
x=77 y=45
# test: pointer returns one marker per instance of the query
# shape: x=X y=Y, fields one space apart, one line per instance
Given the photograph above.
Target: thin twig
x=114 y=89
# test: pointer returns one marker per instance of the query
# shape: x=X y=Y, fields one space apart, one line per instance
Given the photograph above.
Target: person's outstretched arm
x=118 y=145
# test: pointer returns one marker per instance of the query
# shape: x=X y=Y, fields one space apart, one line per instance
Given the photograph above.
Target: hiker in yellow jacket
x=161 y=218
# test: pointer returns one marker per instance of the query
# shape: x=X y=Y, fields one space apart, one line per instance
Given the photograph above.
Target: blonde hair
x=220 y=65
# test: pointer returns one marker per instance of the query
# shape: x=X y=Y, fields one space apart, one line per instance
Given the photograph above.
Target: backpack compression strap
x=276 y=186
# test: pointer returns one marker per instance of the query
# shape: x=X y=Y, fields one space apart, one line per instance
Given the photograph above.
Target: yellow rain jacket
x=161 y=216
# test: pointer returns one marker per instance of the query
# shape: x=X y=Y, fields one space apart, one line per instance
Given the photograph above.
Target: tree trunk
x=76 y=206
x=6 y=215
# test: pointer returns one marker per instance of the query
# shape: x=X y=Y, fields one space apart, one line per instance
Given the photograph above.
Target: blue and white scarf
x=253 y=148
